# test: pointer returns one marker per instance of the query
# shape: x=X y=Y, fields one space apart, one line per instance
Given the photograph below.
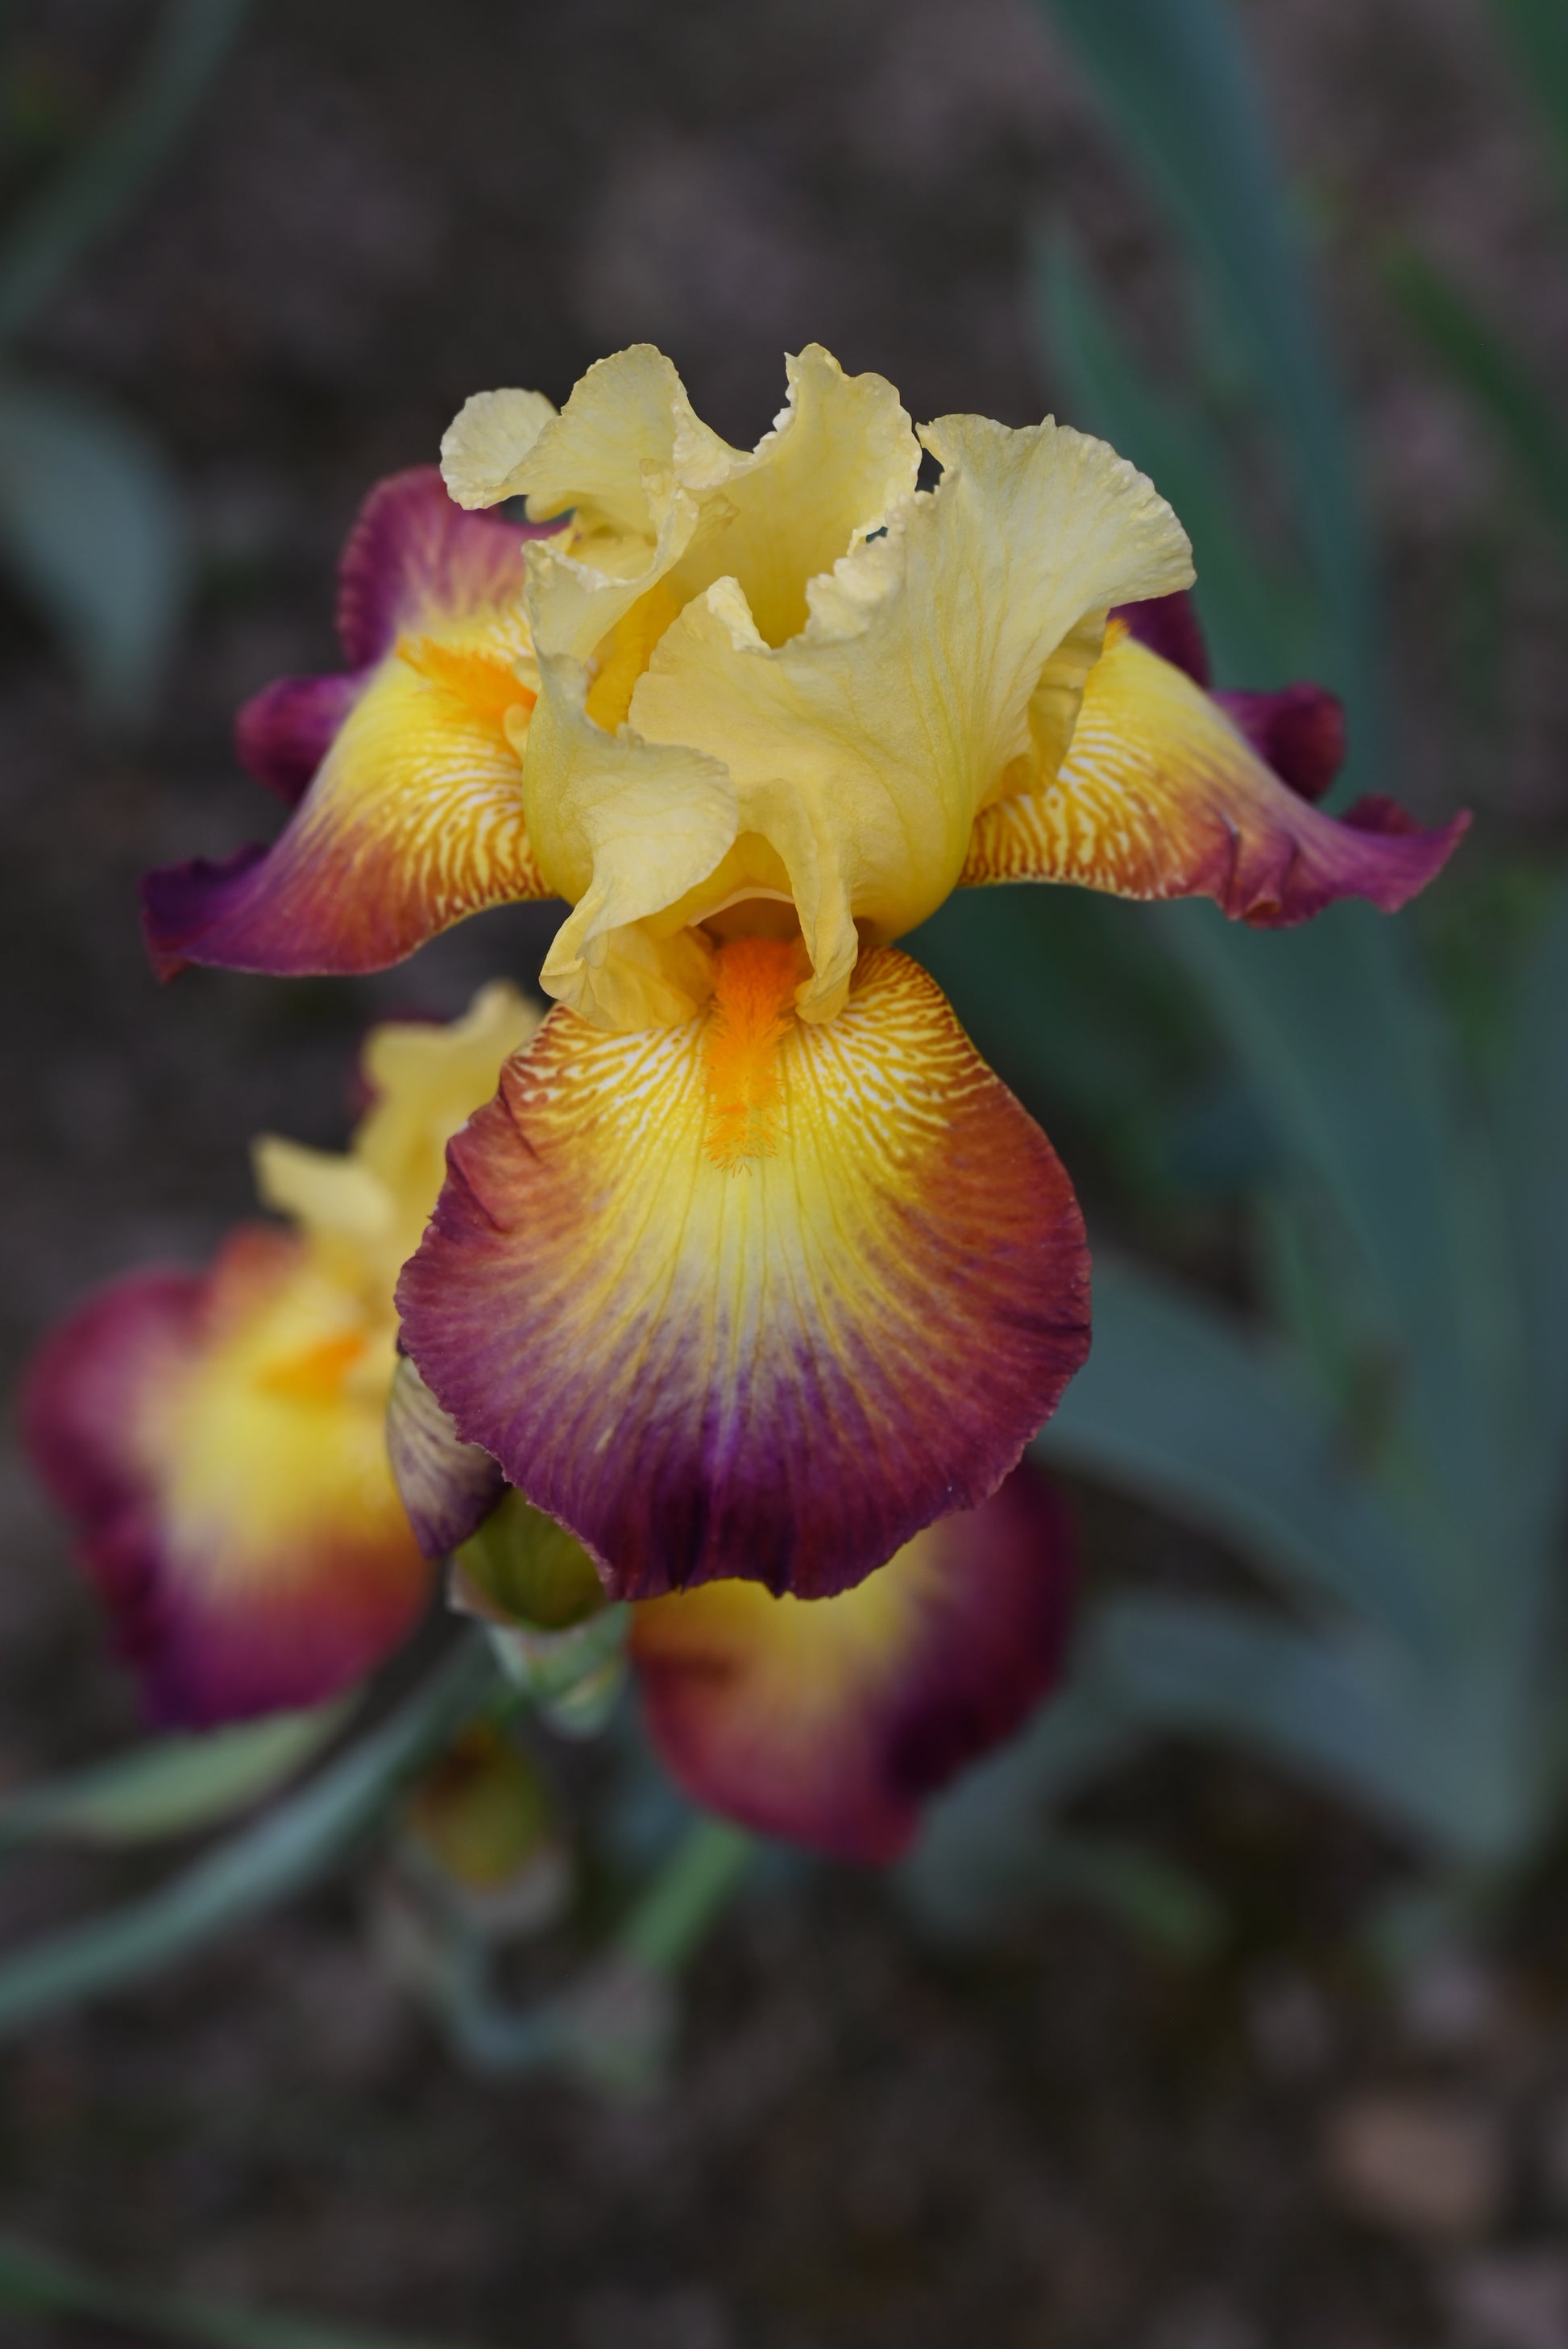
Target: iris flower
x=218 y=1439
x=753 y=1268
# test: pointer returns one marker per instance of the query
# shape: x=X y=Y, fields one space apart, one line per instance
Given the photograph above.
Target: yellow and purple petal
x=1164 y=794
x=750 y=1296
x=1297 y=729
x=408 y=783
x=829 y=1722
x=215 y=1439
x=448 y=1488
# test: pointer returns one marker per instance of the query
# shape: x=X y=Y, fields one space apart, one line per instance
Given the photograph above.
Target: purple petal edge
x=282 y=733
x=179 y=902
x=1298 y=731
x=411 y=551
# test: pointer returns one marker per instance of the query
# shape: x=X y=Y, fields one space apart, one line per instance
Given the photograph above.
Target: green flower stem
x=615 y=2023
x=669 y=1921
x=289 y=1849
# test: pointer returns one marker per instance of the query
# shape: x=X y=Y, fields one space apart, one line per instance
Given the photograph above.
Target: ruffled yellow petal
x=841 y=454
x=662 y=509
x=633 y=827
x=627 y=433
x=487 y=440
x=427 y=1078
x=364 y=1211
x=940 y=663
x=852 y=670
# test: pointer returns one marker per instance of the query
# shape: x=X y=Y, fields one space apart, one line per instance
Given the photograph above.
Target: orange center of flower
x=481 y=681
x=314 y=1375
x=753 y=1003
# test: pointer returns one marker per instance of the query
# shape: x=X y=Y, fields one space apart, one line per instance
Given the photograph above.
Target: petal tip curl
x=487 y=440
x=184 y=907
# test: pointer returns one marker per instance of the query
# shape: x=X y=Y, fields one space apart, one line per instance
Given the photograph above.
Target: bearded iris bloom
x=218 y=1439
x=752 y=1269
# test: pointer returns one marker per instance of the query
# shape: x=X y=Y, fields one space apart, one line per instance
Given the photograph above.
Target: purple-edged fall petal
x=407 y=770
x=1160 y=795
x=750 y=1296
x=216 y=1440
x=830 y=1721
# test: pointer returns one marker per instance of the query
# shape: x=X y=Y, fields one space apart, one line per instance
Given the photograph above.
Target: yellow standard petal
x=486 y=443
x=798 y=667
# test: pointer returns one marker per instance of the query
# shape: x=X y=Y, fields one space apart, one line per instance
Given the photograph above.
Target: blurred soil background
x=1069 y=2143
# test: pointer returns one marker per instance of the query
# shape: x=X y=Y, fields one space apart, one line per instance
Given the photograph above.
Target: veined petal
x=1161 y=796
x=830 y=1721
x=861 y=749
x=749 y=1296
x=216 y=1440
x=412 y=818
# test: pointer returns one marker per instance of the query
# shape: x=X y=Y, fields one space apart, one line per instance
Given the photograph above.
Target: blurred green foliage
x=1385 y=1440
x=92 y=523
